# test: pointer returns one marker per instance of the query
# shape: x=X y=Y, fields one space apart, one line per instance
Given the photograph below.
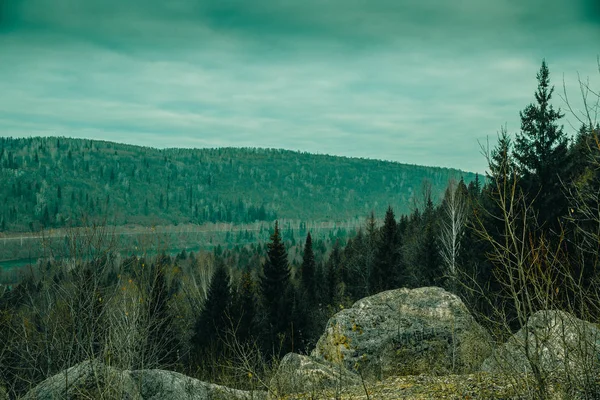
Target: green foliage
x=47 y=185
x=502 y=164
x=386 y=272
x=308 y=270
x=275 y=286
x=213 y=321
x=541 y=152
x=333 y=267
x=244 y=306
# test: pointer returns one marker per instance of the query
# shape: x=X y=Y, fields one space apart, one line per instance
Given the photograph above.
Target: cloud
x=411 y=81
x=350 y=22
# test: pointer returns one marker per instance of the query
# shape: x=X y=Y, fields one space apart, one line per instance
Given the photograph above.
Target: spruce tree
x=501 y=162
x=386 y=273
x=212 y=322
x=584 y=178
x=584 y=155
x=432 y=273
x=541 y=153
x=371 y=244
x=308 y=269
x=356 y=271
x=333 y=266
x=474 y=187
x=244 y=307
x=274 y=284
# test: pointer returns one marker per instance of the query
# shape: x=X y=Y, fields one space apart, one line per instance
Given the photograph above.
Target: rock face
x=92 y=379
x=556 y=342
x=405 y=331
x=308 y=375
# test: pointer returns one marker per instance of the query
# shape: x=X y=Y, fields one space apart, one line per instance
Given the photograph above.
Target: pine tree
x=386 y=272
x=432 y=273
x=308 y=270
x=274 y=285
x=371 y=244
x=474 y=187
x=584 y=178
x=333 y=266
x=356 y=270
x=541 y=153
x=584 y=155
x=501 y=163
x=244 y=306
x=212 y=321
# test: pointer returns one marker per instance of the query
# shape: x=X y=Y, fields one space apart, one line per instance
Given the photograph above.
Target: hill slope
x=50 y=182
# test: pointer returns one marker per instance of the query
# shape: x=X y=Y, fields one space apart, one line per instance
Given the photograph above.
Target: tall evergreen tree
x=584 y=178
x=334 y=278
x=308 y=269
x=584 y=155
x=474 y=187
x=244 y=306
x=274 y=284
x=386 y=272
x=356 y=271
x=371 y=243
x=541 y=153
x=213 y=320
x=501 y=163
x=432 y=272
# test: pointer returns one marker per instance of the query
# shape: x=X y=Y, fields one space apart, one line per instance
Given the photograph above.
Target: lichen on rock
x=405 y=331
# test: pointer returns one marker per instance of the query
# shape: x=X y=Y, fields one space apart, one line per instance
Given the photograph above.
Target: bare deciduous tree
x=452 y=226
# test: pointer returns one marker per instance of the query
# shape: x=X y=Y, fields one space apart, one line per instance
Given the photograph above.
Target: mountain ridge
x=53 y=181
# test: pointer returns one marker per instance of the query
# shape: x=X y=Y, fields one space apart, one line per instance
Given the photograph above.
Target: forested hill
x=51 y=182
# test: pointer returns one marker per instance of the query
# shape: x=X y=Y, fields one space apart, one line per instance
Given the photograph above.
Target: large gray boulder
x=89 y=379
x=404 y=332
x=94 y=380
x=554 y=343
x=309 y=375
x=159 y=384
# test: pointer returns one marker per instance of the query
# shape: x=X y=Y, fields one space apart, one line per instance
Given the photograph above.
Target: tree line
x=51 y=182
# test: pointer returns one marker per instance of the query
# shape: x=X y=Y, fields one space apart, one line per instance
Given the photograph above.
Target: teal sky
x=415 y=81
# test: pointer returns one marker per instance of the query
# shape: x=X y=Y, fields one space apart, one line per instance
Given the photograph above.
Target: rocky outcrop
x=92 y=379
x=554 y=343
x=158 y=384
x=89 y=378
x=298 y=373
x=405 y=331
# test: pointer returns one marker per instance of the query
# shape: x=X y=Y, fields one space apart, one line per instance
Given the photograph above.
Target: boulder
x=159 y=384
x=405 y=332
x=555 y=343
x=298 y=373
x=88 y=379
x=94 y=380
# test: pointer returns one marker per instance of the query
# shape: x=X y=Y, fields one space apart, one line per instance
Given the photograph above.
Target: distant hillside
x=51 y=182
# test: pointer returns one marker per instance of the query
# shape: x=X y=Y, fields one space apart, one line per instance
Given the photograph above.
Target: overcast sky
x=415 y=81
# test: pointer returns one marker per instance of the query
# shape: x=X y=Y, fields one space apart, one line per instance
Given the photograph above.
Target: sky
x=416 y=81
